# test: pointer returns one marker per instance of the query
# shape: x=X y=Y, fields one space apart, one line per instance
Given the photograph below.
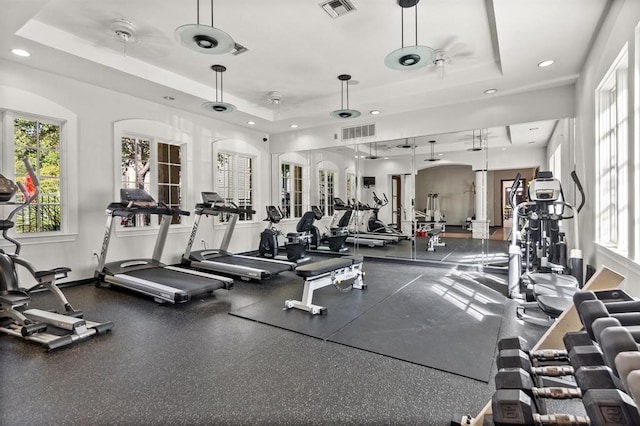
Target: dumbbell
x=610 y=407
x=591 y=310
x=607 y=296
x=614 y=341
x=627 y=362
x=597 y=377
x=570 y=340
x=577 y=357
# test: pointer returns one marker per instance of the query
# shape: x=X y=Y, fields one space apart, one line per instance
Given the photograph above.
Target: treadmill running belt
x=271 y=267
x=189 y=283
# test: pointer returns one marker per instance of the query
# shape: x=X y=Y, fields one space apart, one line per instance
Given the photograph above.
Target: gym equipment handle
x=574 y=176
x=512 y=191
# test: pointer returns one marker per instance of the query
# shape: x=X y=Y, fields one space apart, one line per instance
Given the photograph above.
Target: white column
x=480 y=226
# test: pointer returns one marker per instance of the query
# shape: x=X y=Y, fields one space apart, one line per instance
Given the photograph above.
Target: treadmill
x=221 y=260
x=166 y=284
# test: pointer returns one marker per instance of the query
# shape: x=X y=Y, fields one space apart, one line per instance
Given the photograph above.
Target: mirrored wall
x=441 y=198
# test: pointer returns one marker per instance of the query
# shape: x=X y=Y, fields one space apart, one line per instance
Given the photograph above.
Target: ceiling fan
x=451 y=53
x=124 y=36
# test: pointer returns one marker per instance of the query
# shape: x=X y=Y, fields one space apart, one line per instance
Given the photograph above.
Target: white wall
x=97 y=110
x=618 y=29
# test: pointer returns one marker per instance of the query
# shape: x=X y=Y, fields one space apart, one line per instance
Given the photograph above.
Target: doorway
x=396 y=202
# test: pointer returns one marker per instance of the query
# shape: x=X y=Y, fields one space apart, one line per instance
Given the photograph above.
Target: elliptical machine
x=376 y=225
x=550 y=278
x=32 y=324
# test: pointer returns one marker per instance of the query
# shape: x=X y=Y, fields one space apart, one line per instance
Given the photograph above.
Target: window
x=326 y=191
x=40 y=143
x=611 y=156
x=291 y=190
x=234 y=182
x=137 y=162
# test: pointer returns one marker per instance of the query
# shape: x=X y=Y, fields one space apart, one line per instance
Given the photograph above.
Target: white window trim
x=155 y=132
x=13 y=103
x=328 y=166
x=234 y=158
x=616 y=75
x=305 y=187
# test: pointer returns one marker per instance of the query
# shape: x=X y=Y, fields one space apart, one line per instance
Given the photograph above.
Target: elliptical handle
x=512 y=191
x=576 y=180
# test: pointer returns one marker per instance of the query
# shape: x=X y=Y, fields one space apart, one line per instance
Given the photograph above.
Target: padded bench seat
x=325 y=266
x=325 y=273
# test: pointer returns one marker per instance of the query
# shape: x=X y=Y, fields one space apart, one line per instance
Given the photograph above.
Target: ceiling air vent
x=337 y=8
x=356 y=132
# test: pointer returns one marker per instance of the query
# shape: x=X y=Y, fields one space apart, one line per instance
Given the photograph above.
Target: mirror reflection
x=441 y=197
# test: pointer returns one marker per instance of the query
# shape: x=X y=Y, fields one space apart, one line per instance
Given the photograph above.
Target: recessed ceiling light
x=251 y=123
x=20 y=52
x=531 y=142
x=440 y=155
x=490 y=91
x=374 y=112
x=293 y=126
x=546 y=63
x=169 y=98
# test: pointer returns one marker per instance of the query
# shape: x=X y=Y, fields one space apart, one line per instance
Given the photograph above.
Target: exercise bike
x=32 y=324
x=296 y=242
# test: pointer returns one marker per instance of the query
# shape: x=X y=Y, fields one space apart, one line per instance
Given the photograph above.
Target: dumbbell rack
x=568 y=321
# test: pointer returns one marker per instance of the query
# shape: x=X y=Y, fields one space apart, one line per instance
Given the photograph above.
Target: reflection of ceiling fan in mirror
x=450 y=54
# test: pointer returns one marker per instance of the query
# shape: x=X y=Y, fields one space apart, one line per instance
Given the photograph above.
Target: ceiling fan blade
x=450 y=44
x=455 y=48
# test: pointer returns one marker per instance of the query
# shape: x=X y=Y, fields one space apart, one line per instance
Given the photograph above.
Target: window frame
x=327 y=189
x=16 y=103
x=235 y=158
x=300 y=192
x=611 y=156
x=156 y=133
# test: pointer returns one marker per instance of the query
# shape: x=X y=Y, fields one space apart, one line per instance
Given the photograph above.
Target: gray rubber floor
x=196 y=364
x=409 y=315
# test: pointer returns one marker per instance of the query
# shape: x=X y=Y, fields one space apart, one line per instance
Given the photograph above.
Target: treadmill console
x=211 y=198
x=136 y=197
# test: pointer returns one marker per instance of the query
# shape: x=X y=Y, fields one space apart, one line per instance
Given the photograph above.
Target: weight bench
x=327 y=272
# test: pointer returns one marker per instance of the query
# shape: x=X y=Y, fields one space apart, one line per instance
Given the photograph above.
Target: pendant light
x=204 y=38
x=219 y=105
x=344 y=112
x=433 y=157
x=410 y=57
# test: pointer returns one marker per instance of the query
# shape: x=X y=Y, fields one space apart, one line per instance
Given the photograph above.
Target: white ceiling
x=298 y=50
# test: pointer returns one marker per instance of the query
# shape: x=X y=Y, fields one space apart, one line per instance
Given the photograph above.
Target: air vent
x=356 y=132
x=337 y=8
